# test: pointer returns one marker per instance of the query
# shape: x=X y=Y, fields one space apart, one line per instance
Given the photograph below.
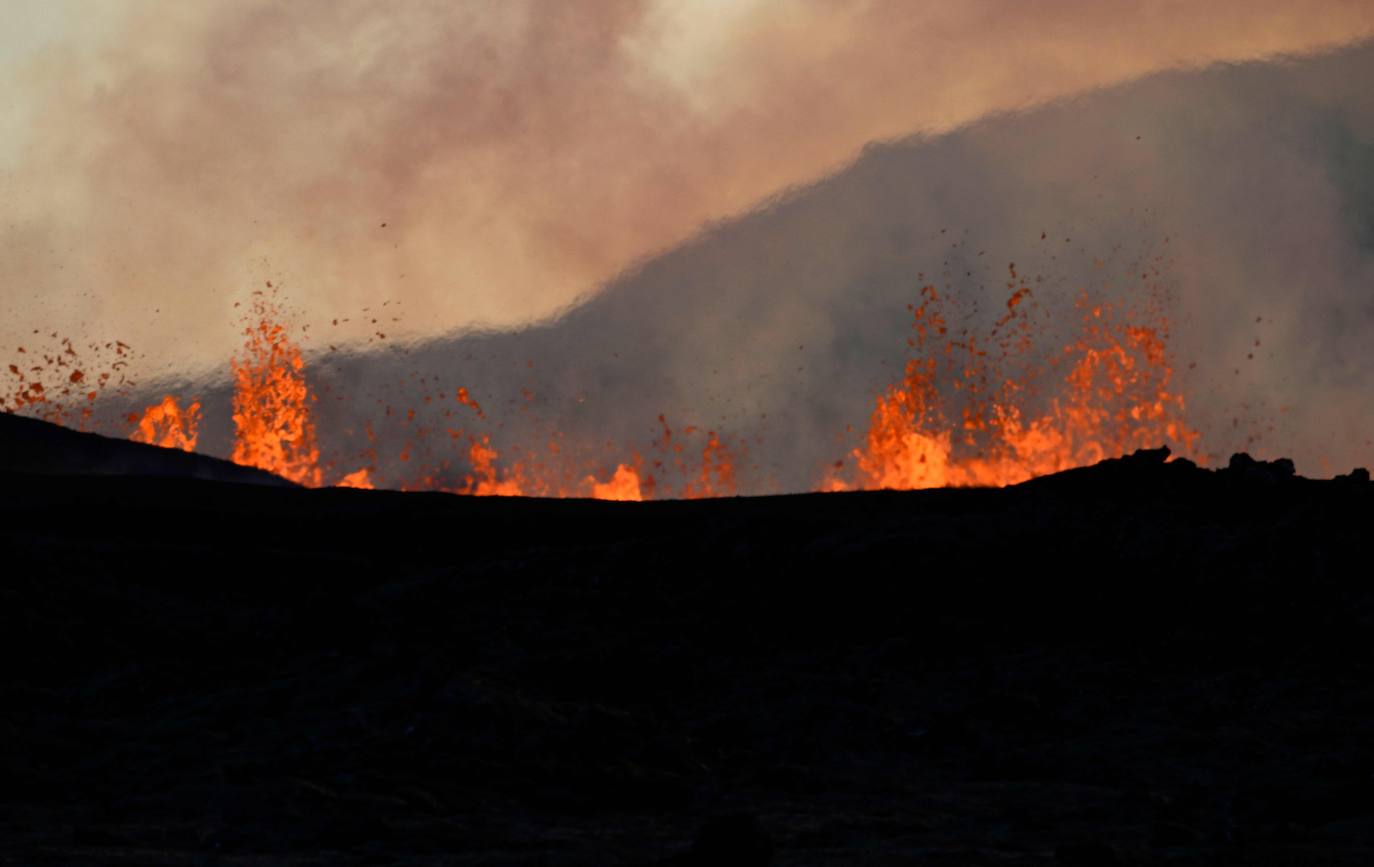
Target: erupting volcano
x=168 y=425
x=971 y=410
x=686 y=433
x=1019 y=414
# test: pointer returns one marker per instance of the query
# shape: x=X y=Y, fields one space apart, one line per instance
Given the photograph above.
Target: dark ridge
x=28 y=445
x=1142 y=662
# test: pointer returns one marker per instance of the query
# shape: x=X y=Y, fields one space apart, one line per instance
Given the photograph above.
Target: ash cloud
x=519 y=153
x=1250 y=184
x=521 y=158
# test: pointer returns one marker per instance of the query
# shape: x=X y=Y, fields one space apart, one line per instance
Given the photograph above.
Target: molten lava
x=166 y=424
x=717 y=475
x=623 y=485
x=973 y=408
x=1106 y=394
x=486 y=478
x=357 y=479
x=272 y=401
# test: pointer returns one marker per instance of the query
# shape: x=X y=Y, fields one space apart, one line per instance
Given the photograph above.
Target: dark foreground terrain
x=1137 y=663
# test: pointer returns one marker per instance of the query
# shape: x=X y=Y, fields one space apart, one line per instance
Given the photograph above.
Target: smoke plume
x=489 y=163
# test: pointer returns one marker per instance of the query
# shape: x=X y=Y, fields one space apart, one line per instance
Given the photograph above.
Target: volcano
x=774 y=352
x=1141 y=661
x=779 y=327
x=925 y=508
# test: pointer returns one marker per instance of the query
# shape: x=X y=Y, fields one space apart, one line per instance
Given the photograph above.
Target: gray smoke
x=1253 y=184
x=487 y=162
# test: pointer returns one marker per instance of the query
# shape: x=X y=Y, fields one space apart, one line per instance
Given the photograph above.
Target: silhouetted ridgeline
x=28 y=445
x=1136 y=663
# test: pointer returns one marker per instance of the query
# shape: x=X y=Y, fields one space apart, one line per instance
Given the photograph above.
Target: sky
x=486 y=165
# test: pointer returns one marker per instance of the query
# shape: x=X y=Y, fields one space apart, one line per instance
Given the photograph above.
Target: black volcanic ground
x=1136 y=663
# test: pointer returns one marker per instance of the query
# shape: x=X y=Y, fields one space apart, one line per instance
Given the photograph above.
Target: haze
x=487 y=164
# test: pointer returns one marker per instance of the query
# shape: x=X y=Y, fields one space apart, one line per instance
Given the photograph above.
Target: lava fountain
x=272 y=400
x=972 y=408
x=995 y=410
x=167 y=424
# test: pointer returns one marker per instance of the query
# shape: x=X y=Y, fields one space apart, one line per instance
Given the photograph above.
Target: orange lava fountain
x=970 y=410
x=166 y=424
x=717 y=476
x=273 y=428
x=622 y=485
x=486 y=479
x=357 y=479
x=1110 y=394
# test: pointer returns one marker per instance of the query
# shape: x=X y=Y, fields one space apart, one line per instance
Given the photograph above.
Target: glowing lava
x=717 y=475
x=973 y=408
x=357 y=479
x=272 y=401
x=623 y=485
x=166 y=424
x=486 y=478
x=1108 y=394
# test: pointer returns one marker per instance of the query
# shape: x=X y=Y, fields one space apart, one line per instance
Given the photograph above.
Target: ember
x=53 y=380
